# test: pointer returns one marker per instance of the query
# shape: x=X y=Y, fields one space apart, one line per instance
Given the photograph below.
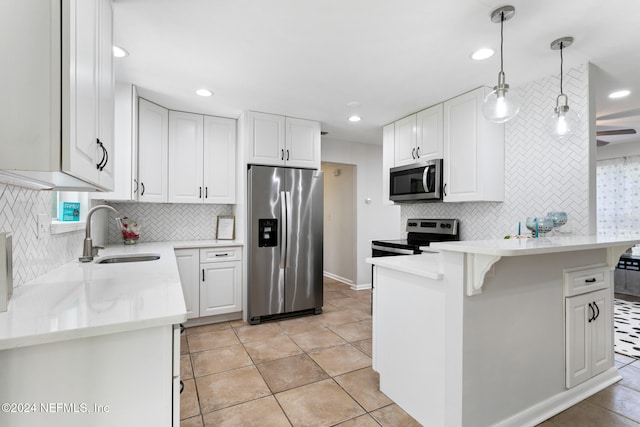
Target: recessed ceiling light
x=119 y=52
x=481 y=54
x=355 y=118
x=204 y=92
x=619 y=94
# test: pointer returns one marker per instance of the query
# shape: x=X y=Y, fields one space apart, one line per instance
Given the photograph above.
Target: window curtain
x=618 y=195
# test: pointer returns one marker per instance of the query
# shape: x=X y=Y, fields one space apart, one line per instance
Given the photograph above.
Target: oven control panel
x=435 y=226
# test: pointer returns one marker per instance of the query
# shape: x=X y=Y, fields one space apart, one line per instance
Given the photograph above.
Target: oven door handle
x=394 y=250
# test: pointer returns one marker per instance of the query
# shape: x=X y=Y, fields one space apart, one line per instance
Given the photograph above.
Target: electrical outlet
x=44 y=225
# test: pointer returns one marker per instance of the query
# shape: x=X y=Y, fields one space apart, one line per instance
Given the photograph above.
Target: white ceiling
x=310 y=58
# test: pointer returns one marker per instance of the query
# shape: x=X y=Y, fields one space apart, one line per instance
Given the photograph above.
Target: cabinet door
x=302 y=148
x=405 y=141
x=188 y=266
x=589 y=346
x=429 y=133
x=81 y=151
x=185 y=157
x=106 y=95
x=153 y=144
x=265 y=133
x=220 y=288
x=219 y=160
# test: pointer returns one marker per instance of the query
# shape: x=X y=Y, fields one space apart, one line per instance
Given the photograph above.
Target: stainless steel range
x=421 y=233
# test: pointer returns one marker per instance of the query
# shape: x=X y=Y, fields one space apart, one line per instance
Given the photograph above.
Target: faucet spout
x=87 y=247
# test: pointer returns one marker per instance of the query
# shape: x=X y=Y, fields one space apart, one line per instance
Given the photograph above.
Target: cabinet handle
x=444 y=189
x=418 y=152
x=592 y=280
x=597 y=308
x=142 y=183
x=206 y=192
x=413 y=153
x=282 y=154
x=135 y=190
x=106 y=160
x=203 y=274
x=592 y=312
x=200 y=196
x=225 y=254
x=287 y=155
x=99 y=165
x=181 y=386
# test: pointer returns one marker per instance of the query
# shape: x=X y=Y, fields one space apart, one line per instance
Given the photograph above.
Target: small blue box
x=69 y=211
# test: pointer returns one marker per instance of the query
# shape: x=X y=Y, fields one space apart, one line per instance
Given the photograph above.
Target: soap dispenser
x=6 y=270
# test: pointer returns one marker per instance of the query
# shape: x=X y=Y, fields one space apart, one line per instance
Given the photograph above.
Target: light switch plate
x=44 y=225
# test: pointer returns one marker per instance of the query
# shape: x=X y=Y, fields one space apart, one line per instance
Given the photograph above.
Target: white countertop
x=531 y=246
x=79 y=300
x=426 y=264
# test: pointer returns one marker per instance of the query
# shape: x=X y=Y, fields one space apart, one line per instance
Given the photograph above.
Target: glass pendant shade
x=563 y=123
x=500 y=105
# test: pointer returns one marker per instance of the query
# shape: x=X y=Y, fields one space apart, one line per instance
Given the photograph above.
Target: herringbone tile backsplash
x=170 y=222
x=541 y=174
x=33 y=257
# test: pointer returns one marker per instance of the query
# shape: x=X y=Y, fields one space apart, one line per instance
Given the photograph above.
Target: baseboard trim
x=354 y=286
x=546 y=409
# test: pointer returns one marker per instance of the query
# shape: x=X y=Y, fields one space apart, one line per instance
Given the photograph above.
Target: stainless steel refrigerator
x=285 y=214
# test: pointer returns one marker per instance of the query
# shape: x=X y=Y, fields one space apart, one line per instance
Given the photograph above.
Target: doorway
x=340 y=222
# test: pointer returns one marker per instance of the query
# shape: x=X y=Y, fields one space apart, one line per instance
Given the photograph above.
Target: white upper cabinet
x=219 y=160
x=419 y=137
x=185 y=157
x=56 y=113
x=473 y=151
x=202 y=155
x=125 y=138
x=429 y=133
x=405 y=141
x=302 y=148
x=153 y=152
x=282 y=141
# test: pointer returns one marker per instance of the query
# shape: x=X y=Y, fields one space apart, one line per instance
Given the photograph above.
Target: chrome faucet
x=88 y=250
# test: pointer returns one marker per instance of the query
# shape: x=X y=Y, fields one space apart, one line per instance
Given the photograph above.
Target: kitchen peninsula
x=496 y=333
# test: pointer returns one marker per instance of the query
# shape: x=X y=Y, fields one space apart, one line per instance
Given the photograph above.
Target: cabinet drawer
x=586 y=279
x=221 y=254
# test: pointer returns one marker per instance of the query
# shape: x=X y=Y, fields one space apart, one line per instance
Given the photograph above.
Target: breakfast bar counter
x=507 y=333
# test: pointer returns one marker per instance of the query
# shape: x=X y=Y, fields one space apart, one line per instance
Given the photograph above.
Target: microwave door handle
x=425 y=179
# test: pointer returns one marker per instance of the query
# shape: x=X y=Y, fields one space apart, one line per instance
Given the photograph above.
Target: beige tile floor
x=316 y=371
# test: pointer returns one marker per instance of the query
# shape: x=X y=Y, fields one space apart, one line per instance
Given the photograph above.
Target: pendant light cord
x=501 y=41
x=561 y=63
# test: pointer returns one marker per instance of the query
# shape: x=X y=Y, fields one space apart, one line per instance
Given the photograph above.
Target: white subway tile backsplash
x=169 y=222
x=33 y=257
x=541 y=174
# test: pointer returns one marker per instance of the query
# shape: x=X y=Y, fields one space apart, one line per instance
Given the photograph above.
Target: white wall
x=374 y=220
x=541 y=174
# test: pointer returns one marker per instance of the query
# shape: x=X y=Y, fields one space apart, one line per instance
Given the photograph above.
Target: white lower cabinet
x=588 y=325
x=211 y=280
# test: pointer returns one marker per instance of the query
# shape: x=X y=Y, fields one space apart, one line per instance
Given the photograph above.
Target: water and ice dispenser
x=267 y=232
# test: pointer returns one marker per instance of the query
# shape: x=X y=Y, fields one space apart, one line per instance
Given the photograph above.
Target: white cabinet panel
x=219 y=290
x=429 y=133
x=188 y=266
x=473 y=151
x=153 y=149
x=302 y=143
x=185 y=157
x=219 y=160
x=405 y=141
x=266 y=136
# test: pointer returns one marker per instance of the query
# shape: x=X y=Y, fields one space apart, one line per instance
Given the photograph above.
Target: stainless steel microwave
x=418 y=182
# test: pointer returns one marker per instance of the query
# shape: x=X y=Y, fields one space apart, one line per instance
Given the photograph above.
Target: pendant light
x=564 y=121
x=499 y=105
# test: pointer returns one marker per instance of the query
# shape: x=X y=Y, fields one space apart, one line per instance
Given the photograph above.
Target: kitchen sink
x=113 y=259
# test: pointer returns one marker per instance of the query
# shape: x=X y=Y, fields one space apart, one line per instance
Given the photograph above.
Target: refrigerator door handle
x=283 y=228
x=288 y=250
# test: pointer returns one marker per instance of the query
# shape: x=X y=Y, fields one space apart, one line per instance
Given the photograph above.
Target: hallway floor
x=316 y=371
